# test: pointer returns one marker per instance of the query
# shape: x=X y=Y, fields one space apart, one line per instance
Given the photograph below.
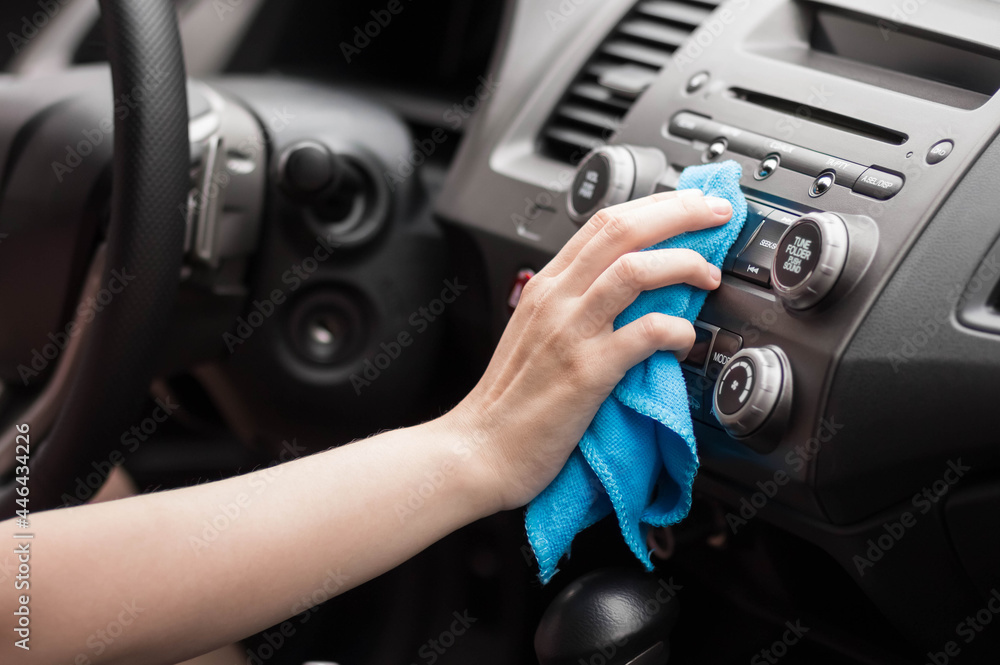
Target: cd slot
x=871 y=181
x=820 y=116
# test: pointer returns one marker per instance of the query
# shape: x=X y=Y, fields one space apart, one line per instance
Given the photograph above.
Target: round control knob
x=753 y=389
x=810 y=258
x=604 y=178
x=308 y=171
x=611 y=175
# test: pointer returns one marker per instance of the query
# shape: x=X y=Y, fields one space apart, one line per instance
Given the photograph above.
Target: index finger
x=637 y=229
x=586 y=232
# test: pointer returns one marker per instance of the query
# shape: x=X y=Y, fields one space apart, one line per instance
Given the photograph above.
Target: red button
x=515 y=292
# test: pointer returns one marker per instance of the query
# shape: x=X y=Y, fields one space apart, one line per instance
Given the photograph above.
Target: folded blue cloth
x=638 y=456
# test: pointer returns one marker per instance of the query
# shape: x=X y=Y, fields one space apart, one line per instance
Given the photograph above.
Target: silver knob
x=810 y=259
x=753 y=389
x=610 y=175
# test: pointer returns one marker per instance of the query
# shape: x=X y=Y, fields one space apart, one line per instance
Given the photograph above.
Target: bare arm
x=186 y=571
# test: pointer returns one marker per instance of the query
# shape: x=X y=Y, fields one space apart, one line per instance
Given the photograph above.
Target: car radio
x=806 y=259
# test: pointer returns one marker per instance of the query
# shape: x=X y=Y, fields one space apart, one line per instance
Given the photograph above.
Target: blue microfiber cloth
x=638 y=456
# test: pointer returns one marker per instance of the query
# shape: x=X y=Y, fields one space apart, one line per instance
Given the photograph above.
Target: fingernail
x=719 y=206
x=690 y=193
x=715 y=273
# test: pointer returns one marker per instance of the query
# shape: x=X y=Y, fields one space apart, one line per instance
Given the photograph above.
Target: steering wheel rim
x=145 y=240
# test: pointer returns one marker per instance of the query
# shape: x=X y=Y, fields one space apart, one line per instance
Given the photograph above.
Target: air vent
x=625 y=64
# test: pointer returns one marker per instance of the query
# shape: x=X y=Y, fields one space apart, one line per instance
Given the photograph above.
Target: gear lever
x=609 y=616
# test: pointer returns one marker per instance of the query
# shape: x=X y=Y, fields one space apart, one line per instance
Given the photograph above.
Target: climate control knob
x=810 y=258
x=611 y=175
x=754 y=392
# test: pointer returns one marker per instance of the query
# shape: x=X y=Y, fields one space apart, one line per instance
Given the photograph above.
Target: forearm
x=221 y=561
x=182 y=572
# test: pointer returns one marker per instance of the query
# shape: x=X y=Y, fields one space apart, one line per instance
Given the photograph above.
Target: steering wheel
x=106 y=385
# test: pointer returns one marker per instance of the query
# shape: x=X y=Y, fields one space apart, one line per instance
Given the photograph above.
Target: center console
x=855 y=329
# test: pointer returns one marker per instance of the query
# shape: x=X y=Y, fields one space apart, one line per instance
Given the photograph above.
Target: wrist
x=469 y=444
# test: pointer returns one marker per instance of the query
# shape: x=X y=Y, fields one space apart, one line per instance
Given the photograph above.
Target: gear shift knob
x=624 y=616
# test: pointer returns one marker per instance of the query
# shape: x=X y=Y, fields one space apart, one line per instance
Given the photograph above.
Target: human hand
x=560 y=357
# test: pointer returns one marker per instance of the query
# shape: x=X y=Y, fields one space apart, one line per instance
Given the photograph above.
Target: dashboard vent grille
x=625 y=63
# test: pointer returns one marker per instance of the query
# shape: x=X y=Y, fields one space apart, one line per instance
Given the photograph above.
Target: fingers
x=639 y=228
x=587 y=231
x=653 y=332
x=636 y=272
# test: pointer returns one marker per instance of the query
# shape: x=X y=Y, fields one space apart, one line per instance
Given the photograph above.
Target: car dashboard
x=862 y=291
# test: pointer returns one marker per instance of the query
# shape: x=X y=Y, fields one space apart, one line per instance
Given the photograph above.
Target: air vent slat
x=668 y=36
x=573 y=137
x=596 y=103
x=597 y=93
x=678 y=12
x=597 y=69
x=603 y=121
x=636 y=53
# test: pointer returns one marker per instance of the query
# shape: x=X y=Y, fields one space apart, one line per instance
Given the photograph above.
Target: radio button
x=692 y=126
x=696 y=82
x=727 y=345
x=767 y=166
x=822 y=184
x=715 y=150
x=754 y=262
x=698 y=356
x=878 y=184
x=939 y=151
x=752 y=272
x=783 y=217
